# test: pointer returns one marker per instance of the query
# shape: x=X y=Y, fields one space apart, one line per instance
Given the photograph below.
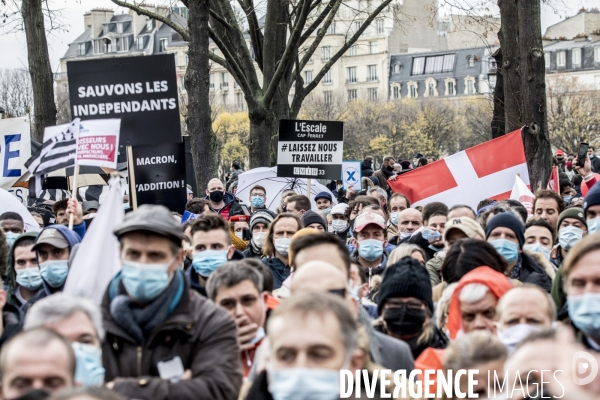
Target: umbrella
x=275 y=186
x=8 y=202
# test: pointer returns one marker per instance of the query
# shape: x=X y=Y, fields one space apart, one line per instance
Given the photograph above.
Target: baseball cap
x=465 y=224
x=560 y=153
x=339 y=208
x=90 y=205
x=151 y=218
x=368 y=218
x=52 y=237
x=188 y=189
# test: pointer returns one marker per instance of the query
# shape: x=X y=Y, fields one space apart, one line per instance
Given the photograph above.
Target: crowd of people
x=245 y=302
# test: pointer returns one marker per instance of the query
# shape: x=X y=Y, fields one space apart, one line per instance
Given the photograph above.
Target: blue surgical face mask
x=205 y=262
x=370 y=249
x=584 y=311
x=593 y=225
x=304 y=384
x=88 y=364
x=568 y=199
x=394 y=218
x=431 y=235
x=569 y=236
x=125 y=206
x=538 y=248
x=54 y=272
x=144 y=282
x=326 y=211
x=11 y=237
x=257 y=201
x=29 y=278
x=507 y=249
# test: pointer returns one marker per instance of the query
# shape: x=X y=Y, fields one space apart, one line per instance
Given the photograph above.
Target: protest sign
x=98 y=143
x=160 y=175
x=310 y=149
x=351 y=175
x=15 y=149
x=142 y=91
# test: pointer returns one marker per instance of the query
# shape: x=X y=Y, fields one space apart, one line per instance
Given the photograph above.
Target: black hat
x=324 y=195
x=311 y=217
x=406 y=278
x=592 y=198
x=507 y=220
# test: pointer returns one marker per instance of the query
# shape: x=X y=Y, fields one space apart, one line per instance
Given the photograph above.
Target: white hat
x=339 y=209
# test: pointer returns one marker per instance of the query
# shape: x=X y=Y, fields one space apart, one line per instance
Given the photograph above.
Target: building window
x=470 y=61
x=224 y=99
x=470 y=86
x=397 y=68
x=212 y=81
x=371 y=73
x=351 y=75
x=328 y=97
x=372 y=94
x=395 y=92
x=418 y=66
x=413 y=90
x=239 y=101
x=357 y=25
x=353 y=50
x=81 y=49
x=433 y=64
x=307 y=77
x=119 y=28
x=123 y=44
x=140 y=43
x=352 y=94
x=576 y=57
x=560 y=59
x=379 y=25
x=163 y=45
x=325 y=53
x=372 y=47
x=149 y=24
x=547 y=59
x=450 y=87
x=597 y=54
x=224 y=83
x=99 y=46
x=327 y=78
x=331 y=29
x=431 y=89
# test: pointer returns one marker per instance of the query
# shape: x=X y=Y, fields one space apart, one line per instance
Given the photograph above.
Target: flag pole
x=132 y=194
x=74 y=192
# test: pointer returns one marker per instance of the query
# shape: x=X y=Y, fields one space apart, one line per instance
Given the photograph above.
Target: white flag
x=97 y=259
x=523 y=194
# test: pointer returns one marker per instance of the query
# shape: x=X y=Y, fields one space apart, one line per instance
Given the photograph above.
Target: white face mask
x=514 y=335
x=258 y=239
x=282 y=246
x=339 y=225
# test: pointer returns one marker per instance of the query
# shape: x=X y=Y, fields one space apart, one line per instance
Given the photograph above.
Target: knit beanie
x=311 y=217
x=592 y=198
x=323 y=195
x=507 y=220
x=406 y=278
x=261 y=216
x=575 y=213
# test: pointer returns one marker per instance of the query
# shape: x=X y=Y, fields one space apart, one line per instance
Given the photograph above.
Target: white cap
x=339 y=209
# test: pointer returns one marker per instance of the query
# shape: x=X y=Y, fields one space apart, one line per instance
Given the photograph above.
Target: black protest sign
x=160 y=175
x=310 y=149
x=142 y=91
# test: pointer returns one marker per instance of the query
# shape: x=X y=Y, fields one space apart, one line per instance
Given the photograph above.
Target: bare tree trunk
x=509 y=43
x=197 y=80
x=44 y=108
x=498 y=120
x=533 y=93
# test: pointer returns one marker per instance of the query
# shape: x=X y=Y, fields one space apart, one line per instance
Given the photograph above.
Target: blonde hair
x=405 y=250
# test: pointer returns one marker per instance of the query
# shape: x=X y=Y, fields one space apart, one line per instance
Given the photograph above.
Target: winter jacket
x=199 y=332
x=192 y=280
x=372 y=271
x=231 y=207
x=366 y=169
x=434 y=267
x=279 y=269
x=12 y=322
x=532 y=272
x=11 y=275
x=595 y=164
x=382 y=179
x=250 y=253
x=557 y=292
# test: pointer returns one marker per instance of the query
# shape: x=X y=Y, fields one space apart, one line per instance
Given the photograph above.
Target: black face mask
x=34 y=395
x=404 y=321
x=390 y=168
x=216 y=196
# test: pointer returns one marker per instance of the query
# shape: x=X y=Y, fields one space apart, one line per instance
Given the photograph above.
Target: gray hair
x=382 y=194
x=305 y=303
x=60 y=306
x=473 y=349
x=230 y=274
x=472 y=293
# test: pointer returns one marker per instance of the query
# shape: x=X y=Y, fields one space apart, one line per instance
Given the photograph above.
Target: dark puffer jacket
x=200 y=333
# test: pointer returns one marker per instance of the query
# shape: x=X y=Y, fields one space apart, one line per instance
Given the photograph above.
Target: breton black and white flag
x=59 y=150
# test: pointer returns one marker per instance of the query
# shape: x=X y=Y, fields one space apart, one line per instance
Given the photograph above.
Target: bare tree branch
x=165 y=20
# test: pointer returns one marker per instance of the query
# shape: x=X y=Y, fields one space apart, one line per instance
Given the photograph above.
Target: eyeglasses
x=411 y=304
x=339 y=292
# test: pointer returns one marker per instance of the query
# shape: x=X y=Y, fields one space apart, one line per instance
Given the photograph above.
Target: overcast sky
x=13 y=46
